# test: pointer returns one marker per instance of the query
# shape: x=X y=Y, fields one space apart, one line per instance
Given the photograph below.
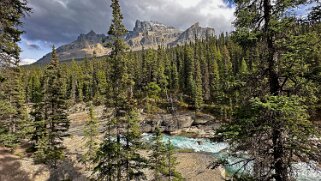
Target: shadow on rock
x=10 y=167
x=67 y=170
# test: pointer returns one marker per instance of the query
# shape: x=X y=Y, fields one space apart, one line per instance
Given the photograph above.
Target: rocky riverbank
x=185 y=123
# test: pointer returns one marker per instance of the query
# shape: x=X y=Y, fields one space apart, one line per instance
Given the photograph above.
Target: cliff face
x=86 y=45
x=189 y=34
x=150 y=34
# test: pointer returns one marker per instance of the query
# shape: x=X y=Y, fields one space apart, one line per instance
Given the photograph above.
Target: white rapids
x=303 y=171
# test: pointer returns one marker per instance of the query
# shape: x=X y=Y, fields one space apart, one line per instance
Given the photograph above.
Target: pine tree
x=11 y=13
x=35 y=89
x=72 y=88
x=198 y=97
x=53 y=115
x=158 y=157
x=13 y=114
x=175 y=78
x=243 y=67
x=162 y=160
x=189 y=72
x=114 y=159
x=215 y=80
x=134 y=163
x=162 y=70
x=171 y=163
x=101 y=89
x=272 y=154
x=91 y=136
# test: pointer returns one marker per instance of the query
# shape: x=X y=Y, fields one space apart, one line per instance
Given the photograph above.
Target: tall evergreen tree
x=198 y=96
x=13 y=113
x=171 y=163
x=91 y=136
x=53 y=116
x=189 y=72
x=272 y=149
x=115 y=159
x=158 y=156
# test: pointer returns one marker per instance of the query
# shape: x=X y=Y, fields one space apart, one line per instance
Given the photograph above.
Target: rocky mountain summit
x=189 y=34
x=86 y=45
x=149 y=34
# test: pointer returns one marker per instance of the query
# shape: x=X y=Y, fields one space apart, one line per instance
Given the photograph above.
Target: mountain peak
x=191 y=32
x=91 y=36
x=150 y=34
x=145 y=26
x=196 y=25
x=91 y=33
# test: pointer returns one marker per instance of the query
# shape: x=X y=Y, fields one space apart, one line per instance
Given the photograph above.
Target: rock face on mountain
x=86 y=45
x=189 y=34
x=149 y=34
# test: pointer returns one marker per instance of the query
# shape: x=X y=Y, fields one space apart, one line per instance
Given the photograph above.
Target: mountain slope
x=151 y=34
x=189 y=34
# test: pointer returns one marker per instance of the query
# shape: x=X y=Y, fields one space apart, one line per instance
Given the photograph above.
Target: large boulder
x=203 y=119
x=167 y=122
x=184 y=121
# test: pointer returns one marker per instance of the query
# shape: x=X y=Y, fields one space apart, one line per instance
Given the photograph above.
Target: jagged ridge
x=149 y=34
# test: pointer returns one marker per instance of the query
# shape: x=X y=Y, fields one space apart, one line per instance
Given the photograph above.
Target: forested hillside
x=261 y=82
x=215 y=75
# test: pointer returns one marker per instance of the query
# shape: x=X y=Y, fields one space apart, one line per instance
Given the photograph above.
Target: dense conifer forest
x=261 y=81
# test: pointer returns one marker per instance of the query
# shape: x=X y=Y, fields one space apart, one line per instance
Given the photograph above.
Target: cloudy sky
x=60 y=21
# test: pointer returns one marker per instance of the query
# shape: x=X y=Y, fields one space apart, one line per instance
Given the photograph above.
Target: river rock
x=203 y=119
x=184 y=121
x=167 y=122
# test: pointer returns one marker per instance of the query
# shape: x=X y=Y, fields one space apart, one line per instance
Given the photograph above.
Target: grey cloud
x=56 y=22
x=61 y=21
x=33 y=46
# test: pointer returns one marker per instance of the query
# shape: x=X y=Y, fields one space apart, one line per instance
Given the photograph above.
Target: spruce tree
x=110 y=165
x=198 y=96
x=171 y=163
x=276 y=119
x=215 y=80
x=243 y=67
x=162 y=160
x=13 y=114
x=133 y=162
x=91 y=137
x=189 y=71
x=114 y=159
x=53 y=116
x=11 y=13
x=158 y=156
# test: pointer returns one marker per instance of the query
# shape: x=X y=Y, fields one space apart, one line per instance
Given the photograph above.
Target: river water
x=303 y=171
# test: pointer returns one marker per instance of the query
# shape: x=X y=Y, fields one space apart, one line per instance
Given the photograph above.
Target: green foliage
x=51 y=120
x=13 y=113
x=91 y=137
x=153 y=90
x=170 y=171
x=11 y=13
x=108 y=155
x=220 y=75
x=118 y=157
x=260 y=120
x=273 y=127
x=243 y=67
x=162 y=161
x=158 y=159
